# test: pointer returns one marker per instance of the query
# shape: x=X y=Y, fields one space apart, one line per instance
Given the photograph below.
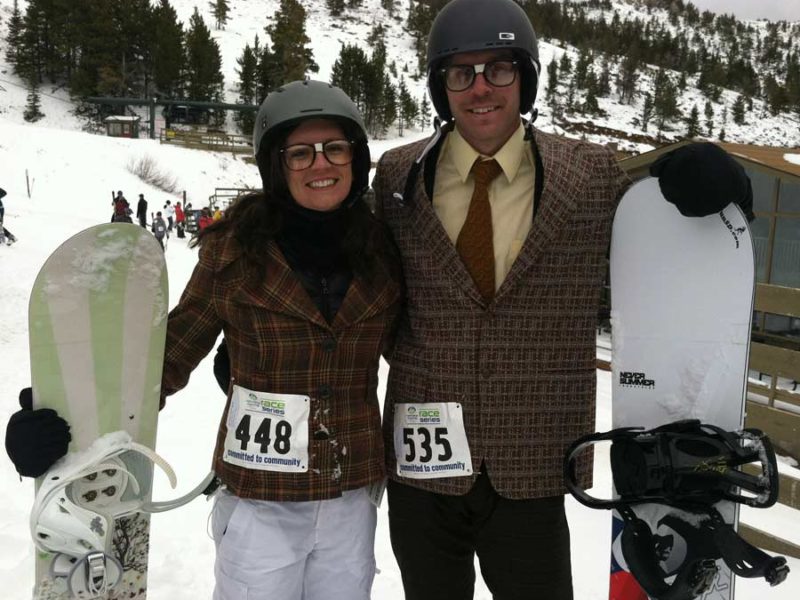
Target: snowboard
x=681 y=307
x=97 y=325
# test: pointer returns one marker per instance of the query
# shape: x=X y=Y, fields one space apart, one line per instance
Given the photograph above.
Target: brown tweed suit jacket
x=523 y=365
x=279 y=342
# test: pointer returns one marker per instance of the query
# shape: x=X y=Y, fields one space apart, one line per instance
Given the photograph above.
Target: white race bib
x=267 y=432
x=430 y=441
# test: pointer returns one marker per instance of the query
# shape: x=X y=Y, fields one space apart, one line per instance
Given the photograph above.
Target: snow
x=71 y=176
x=792 y=158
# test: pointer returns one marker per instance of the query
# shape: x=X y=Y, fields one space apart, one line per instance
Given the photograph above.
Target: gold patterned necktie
x=474 y=242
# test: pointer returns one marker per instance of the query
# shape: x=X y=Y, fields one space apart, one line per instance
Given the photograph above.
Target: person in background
x=169 y=212
x=141 y=211
x=304 y=283
x=180 y=219
x=159 y=229
x=503 y=231
x=5 y=235
x=205 y=218
x=217 y=213
x=122 y=210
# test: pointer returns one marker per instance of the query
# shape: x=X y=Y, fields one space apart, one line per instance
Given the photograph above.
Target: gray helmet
x=298 y=101
x=470 y=25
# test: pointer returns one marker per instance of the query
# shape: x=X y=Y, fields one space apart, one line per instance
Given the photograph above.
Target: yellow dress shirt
x=510 y=194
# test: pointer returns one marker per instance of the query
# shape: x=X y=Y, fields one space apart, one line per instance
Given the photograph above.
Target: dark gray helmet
x=470 y=25
x=288 y=105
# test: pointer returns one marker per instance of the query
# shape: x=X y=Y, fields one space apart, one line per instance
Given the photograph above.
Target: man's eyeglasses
x=499 y=73
x=301 y=156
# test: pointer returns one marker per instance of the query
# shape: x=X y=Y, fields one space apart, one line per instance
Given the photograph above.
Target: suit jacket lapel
x=554 y=211
x=280 y=291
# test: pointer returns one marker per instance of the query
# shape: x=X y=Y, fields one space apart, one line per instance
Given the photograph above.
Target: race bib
x=267 y=432
x=430 y=441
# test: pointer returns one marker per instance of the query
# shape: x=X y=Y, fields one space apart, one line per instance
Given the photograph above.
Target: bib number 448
x=422 y=436
x=263 y=435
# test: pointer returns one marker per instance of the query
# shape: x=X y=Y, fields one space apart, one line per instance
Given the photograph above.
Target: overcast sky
x=774 y=10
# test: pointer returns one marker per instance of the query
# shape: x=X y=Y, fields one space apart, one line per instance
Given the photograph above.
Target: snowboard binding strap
x=682 y=464
x=689 y=466
x=80 y=499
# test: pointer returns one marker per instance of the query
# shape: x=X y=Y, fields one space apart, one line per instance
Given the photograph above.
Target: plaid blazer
x=522 y=366
x=279 y=342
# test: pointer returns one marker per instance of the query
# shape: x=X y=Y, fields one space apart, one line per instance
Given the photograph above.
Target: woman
x=303 y=283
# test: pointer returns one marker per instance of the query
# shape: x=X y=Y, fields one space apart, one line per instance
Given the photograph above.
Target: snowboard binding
x=689 y=466
x=80 y=499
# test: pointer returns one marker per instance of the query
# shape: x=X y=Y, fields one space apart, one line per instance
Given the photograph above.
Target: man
x=503 y=231
x=141 y=211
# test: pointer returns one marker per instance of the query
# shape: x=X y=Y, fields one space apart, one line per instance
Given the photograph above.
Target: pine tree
x=387 y=112
x=168 y=57
x=248 y=84
x=33 y=109
x=348 y=73
x=408 y=107
x=709 y=114
x=13 y=37
x=665 y=100
x=424 y=113
x=335 y=7
x=647 y=110
x=292 y=54
x=739 y=110
x=204 y=78
x=220 y=9
x=693 y=123
x=628 y=77
x=552 y=78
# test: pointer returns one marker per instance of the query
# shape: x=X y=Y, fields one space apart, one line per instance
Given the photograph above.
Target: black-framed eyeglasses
x=499 y=73
x=301 y=156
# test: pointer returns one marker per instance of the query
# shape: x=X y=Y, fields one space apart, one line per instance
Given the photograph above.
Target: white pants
x=321 y=550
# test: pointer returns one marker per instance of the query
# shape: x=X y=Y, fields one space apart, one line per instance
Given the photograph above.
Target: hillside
x=579 y=31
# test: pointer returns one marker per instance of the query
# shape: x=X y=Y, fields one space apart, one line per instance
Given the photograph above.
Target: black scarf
x=312 y=240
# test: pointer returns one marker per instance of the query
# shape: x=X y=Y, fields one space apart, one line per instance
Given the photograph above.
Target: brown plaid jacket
x=523 y=366
x=278 y=342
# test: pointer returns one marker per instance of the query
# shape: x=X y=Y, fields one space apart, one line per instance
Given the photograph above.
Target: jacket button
x=486 y=371
x=321 y=435
x=325 y=391
x=329 y=344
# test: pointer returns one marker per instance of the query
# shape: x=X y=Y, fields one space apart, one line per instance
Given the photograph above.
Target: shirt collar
x=509 y=157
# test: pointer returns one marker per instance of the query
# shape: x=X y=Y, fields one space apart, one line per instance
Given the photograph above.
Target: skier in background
x=141 y=211
x=159 y=229
x=504 y=232
x=304 y=283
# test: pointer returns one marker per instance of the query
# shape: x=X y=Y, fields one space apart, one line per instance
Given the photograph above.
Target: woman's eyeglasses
x=499 y=73
x=301 y=156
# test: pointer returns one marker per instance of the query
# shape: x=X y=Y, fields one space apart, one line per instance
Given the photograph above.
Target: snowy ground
x=73 y=175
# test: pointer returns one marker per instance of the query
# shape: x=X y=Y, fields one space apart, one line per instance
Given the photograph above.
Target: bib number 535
x=421 y=436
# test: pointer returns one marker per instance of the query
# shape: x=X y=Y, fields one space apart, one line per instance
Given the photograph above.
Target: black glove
x=35 y=439
x=222 y=366
x=701 y=179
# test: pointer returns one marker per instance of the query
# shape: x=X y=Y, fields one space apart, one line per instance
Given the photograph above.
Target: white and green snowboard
x=97 y=322
x=681 y=307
